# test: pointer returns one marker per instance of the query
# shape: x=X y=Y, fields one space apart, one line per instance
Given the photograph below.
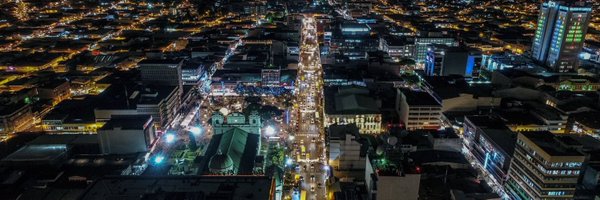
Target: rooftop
x=552 y=145
x=127 y=122
x=419 y=98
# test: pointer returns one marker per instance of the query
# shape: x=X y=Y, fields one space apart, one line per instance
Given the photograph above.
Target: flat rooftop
x=127 y=122
x=34 y=153
x=180 y=187
x=419 y=98
x=551 y=144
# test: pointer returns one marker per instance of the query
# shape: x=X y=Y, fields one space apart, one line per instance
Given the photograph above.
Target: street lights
x=170 y=137
x=158 y=159
x=270 y=131
x=196 y=130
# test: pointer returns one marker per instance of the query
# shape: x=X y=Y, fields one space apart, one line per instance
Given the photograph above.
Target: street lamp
x=170 y=137
x=159 y=159
x=195 y=130
x=270 y=130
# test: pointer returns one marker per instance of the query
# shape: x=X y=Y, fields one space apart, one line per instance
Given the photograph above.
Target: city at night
x=300 y=100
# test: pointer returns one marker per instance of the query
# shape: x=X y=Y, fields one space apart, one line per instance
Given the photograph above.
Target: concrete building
x=353 y=105
x=127 y=134
x=55 y=90
x=491 y=143
x=162 y=102
x=422 y=43
x=456 y=94
x=544 y=166
x=346 y=151
x=72 y=116
x=442 y=60
x=419 y=110
x=397 y=47
x=386 y=181
x=161 y=72
x=15 y=117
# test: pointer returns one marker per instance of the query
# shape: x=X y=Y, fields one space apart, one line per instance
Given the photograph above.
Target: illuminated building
x=456 y=94
x=396 y=47
x=386 y=178
x=235 y=144
x=15 y=117
x=345 y=152
x=422 y=43
x=502 y=61
x=560 y=34
x=55 y=90
x=353 y=105
x=223 y=123
x=442 y=60
x=353 y=41
x=544 y=166
x=71 y=116
x=419 y=110
x=491 y=143
x=585 y=123
x=271 y=77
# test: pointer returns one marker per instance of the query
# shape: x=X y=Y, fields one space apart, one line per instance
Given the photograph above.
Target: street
x=309 y=151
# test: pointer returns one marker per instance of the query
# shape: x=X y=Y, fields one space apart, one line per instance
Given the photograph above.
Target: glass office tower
x=560 y=34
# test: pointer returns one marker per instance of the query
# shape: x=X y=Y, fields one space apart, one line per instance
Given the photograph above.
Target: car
x=319 y=185
x=312 y=177
x=312 y=189
x=312 y=166
x=301 y=178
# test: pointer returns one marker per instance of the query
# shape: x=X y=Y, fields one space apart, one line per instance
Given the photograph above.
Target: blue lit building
x=560 y=34
x=422 y=43
x=442 y=60
x=491 y=143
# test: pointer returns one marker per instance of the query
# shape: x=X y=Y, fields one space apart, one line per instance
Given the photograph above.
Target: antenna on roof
x=126 y=95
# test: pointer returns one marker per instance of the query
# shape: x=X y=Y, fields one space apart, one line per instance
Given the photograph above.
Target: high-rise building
x=161 y=71
x=560 y=34
x=125 y=134
x=544 y=166
x=422 y=43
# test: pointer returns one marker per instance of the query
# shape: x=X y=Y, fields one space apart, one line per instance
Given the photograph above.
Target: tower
x=560 y=34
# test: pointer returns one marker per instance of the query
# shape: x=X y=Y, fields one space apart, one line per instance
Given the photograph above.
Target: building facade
x=127 y=134
x=560 y=34
x=15 y=118
x=544 y=167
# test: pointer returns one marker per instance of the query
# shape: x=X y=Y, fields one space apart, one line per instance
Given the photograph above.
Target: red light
x=418 y=169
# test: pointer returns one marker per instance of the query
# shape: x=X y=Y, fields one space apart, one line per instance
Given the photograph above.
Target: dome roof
x=220 y=161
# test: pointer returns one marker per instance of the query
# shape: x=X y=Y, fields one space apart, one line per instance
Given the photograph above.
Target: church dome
x=220 y=162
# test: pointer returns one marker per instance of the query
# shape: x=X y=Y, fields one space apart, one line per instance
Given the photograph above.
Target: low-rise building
x=55 y=90
x=15 y=117
x=419 y=110
x=353 y=105
x=347 y=150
